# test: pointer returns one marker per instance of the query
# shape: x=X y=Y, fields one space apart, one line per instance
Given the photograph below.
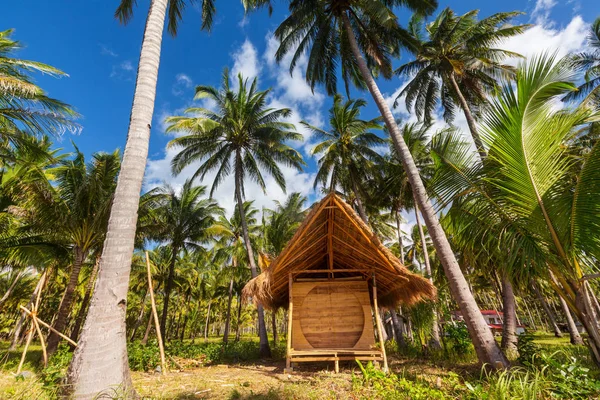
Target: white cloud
x=541 y=11
x=288 y=92
x=124 y=70
x=545 y=38
x=182 y=85
x=245 y=62
x=159 y=171
x=107 y=51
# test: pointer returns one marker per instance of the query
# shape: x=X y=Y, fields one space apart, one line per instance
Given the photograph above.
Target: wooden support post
x=288 y=359
x=378 y=323
x=337 y=364
x=155 y=314
x=30 y=313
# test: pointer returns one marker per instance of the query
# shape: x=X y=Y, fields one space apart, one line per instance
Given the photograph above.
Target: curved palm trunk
x=397 y=329
x=10 y=289
x=274 y=326
x=100 y=360
x=168 y=289
x=265 y=350
x=207 y=321
x=469 y=118
x=84 y=304
x=509 y=325
x=573 y=332
x=546 y=308
x=486 y=347
x=435 y=328
x=359 y=204
x=67 y=301
x=400 y=243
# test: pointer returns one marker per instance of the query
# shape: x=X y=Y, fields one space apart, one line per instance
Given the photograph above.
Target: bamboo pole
x=155 y=314
x=49 y=327
x=288 y=363
x=27 y=343
x=378 y=322
x=42 y=342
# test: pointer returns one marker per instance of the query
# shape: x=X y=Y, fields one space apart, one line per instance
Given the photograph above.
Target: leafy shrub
x=56 y=370
x=458 y=337
x=143 y=357
x=392 y=386
x=529 y=352
x=570 y=379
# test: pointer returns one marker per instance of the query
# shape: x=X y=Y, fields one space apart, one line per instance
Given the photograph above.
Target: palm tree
x=243 y=136
x=230 y=251
x=184 y=220
x=532 y=194
x=589 y=62
x=25 y=109
x=75 y=212
x=100 y=360
x=283 y=222
x=457 y=64
x=348 y=155
x=362 y=37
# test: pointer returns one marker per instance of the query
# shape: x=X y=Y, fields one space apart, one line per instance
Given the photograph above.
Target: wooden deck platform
x=335 y=355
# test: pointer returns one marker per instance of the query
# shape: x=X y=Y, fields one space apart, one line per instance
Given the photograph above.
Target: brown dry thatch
x=333 y=237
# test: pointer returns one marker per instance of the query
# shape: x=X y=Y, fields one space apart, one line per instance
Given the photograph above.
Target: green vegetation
x=510 y=224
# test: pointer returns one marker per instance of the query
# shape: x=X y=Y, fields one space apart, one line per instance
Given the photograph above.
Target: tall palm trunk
x=546 y=308
x=140 y=317
x=207 y=321
x=228 y=316
x=435 y=328
x=168 y=289
x=100 y=360
x=573 y=332
x=508 y=297
x=67 y=301
x=265 y=350
x=274 y=326
x=399 y=230
x=486 y=347
x=10 y=289
x=509 y=324
x=239 y=319
x=84 y=304
x=469 y=118
x=359 y=204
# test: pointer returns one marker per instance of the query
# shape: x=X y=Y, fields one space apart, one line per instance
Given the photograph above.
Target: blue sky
x=83 y=39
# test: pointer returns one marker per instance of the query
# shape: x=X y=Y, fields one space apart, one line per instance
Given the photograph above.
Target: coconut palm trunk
x=469 y=118
x=435 y=328
x=239 y=319
x=100 y=360
x=546 y=308
x=359 y=204
x=509 y=328
x=168 y=289
x=486 y=347
x=228 y=316
x=10 y=289
x=140 y=317
x=574 y=335
x=84 y=304
x=67 y=301
x=509 y=335
x=265 y=350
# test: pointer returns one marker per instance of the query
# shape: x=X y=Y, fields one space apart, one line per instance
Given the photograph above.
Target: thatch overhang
x=333 y=242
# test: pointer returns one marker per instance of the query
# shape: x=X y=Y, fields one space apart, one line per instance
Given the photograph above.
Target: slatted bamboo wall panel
x=332 y=315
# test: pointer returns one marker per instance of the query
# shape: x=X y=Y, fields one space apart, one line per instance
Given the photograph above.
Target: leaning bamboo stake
x=34 y=326
x=378 y=322
x=42 y=341
x=155 y=314
x=68 y=339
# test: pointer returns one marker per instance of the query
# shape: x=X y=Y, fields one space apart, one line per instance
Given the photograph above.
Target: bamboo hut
x=332 y=277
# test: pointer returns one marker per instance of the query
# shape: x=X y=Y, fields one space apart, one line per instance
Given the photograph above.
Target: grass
x=437 y=376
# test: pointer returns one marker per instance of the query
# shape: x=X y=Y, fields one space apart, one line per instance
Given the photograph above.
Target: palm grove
x=504 y=215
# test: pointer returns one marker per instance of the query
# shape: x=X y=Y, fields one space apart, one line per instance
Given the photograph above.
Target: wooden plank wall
x=332 y=315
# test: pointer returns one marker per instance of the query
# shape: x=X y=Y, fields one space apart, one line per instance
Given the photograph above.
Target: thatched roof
x=334 y=238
